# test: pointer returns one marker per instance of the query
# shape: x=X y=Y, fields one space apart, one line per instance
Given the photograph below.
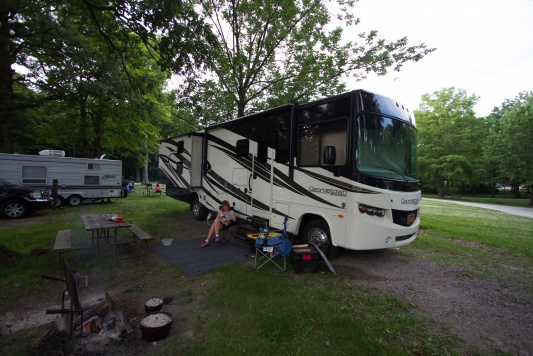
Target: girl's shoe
x=204 y=244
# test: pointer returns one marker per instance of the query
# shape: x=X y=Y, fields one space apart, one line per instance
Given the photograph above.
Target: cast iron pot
x=156 y=326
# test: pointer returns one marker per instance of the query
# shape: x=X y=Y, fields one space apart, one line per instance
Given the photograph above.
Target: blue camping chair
x=273 y=248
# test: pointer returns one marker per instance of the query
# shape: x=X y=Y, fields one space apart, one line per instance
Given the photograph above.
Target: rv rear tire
x=74 y=200
x=317 y=232
x=198 y=211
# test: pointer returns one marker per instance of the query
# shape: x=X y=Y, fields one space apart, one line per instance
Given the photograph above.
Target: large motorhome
x=343 y=169
x=78 y=178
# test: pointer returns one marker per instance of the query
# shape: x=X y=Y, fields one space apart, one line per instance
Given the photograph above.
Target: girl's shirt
x=225 y=216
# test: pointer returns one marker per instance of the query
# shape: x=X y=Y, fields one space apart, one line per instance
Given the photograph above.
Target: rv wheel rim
x=318 y=237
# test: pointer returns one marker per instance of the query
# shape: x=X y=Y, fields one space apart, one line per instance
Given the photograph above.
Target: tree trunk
x=145 y=179
x=137 y=175
x=441 y=188
x=516 y=188
x=531 y=197
x=7 y=114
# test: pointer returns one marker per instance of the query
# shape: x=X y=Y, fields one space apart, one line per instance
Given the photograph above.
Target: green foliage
x=450 y=139
x=102 y=67
x=276 y=52
x=509 y=146
x=517 y=137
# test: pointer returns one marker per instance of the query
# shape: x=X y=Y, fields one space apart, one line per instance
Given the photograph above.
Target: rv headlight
x=371 y=210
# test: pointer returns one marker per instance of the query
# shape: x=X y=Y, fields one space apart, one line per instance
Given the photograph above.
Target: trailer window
x=92 y=180
x=94 y=166
x=33 y=174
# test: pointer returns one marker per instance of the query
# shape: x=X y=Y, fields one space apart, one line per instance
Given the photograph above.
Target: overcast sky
x=483 y=46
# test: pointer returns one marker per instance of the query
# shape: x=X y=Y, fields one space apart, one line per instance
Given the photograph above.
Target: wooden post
x=55 y=183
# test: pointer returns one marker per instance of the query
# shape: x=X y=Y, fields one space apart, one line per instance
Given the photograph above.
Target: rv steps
x=63 y=242
x=251 y=227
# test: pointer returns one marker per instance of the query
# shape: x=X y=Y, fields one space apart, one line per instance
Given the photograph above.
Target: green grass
x=480 y=243
x=506 y=199
x=274 y=313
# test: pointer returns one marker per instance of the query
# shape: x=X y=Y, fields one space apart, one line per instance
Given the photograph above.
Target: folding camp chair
x=227 y=232
x=272 y=248
x=72 y=289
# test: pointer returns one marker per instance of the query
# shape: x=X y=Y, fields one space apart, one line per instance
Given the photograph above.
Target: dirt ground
x=486 y=314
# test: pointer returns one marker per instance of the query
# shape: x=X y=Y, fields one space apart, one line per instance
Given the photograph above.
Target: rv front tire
x=317 y=232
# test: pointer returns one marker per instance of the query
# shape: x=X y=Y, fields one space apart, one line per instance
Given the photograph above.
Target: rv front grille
x=404 y=218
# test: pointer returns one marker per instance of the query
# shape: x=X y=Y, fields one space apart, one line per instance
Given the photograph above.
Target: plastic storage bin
x=305 y=259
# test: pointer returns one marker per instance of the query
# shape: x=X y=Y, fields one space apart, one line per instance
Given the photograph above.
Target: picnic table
x=104 y=227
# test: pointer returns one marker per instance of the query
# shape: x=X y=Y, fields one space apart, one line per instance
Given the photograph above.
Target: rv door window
x=33 y=174
x=94 y=166
x=91 y=179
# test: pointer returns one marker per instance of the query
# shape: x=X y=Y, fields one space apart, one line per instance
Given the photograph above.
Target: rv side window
x=263 y=139
x=313 y=138
x=92 y=180
x=33 y=174
x=242 y=149
x=282 y=147
x=94 y=166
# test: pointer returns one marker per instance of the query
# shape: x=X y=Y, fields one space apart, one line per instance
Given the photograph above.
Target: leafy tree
x=450 y=139
x=274 y=52
x=36 y=32
x=516 y=149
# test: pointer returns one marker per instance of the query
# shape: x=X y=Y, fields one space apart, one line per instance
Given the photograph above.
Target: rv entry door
x=262 y=175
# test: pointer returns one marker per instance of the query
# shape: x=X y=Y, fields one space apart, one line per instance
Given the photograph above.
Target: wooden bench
x=140 y=234
x=456 y=196
x=63 y=242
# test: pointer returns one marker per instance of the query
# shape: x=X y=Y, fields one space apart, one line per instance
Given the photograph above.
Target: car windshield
x=386 y=148
x=5 y=183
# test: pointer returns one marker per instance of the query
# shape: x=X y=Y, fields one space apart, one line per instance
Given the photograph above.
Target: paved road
x=527 y=212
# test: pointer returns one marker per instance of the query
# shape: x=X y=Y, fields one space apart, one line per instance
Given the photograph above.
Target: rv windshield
x=386 y=148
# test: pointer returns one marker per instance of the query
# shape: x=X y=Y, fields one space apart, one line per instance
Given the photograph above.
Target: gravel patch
x=486 y=314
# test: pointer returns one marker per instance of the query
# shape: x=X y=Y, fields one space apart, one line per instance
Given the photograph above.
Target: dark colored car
x=17 y=201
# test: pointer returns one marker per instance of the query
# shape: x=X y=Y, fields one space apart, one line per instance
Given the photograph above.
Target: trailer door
x=262 y=174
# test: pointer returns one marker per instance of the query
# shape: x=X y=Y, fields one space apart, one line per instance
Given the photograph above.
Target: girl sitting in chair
x=159 y=190
x=225 y=218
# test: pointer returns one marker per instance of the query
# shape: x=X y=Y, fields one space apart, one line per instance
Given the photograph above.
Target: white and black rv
x=343 y=169
x=78 y=178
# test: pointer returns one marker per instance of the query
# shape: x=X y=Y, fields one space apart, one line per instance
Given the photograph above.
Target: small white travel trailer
x=342 y=169
x=78 y=178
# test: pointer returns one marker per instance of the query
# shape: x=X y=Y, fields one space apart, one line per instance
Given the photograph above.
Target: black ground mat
x=192 y=260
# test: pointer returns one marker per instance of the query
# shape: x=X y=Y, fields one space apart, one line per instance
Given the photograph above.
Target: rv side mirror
x=330 y=155
x=181 y=147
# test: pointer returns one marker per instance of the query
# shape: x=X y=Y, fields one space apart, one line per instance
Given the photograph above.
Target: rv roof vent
x=55 y=153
